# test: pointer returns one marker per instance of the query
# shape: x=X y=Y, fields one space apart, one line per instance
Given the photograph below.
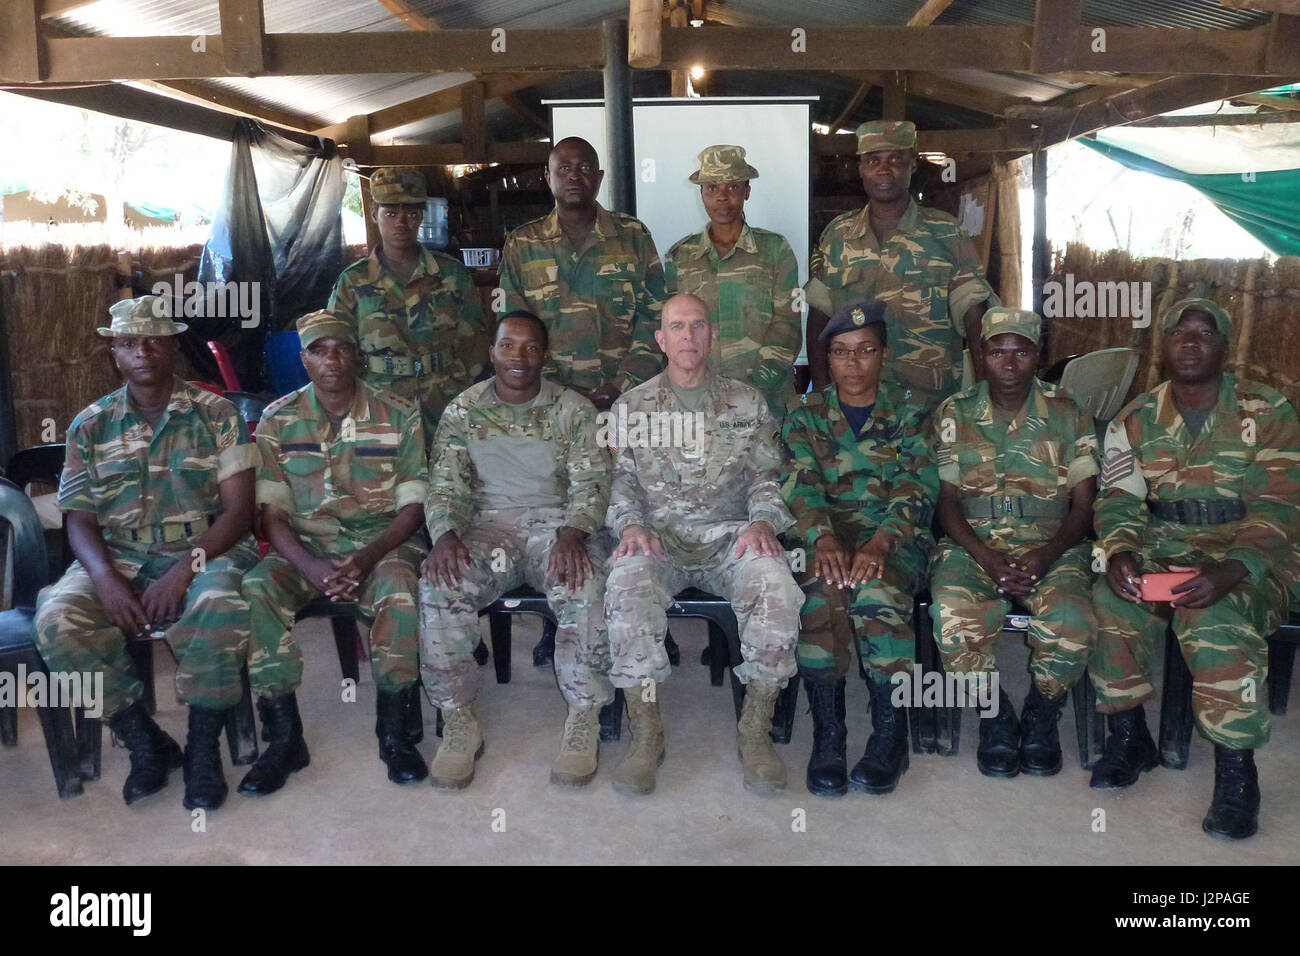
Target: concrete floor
x=343 y=810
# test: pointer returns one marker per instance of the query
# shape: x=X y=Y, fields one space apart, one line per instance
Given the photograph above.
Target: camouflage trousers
x=210 y=640
x=878 y=618
x=276 y=591
x=970 y=613
x=1224 y=645
x=509 y=548
x=762 y=593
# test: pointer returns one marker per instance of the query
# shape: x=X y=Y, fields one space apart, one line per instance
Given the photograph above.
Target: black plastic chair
x=44 y=464
x=17 y=638
x=938 y=729
x=724 y=644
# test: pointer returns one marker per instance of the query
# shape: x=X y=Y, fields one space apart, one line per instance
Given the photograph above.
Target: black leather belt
x=1199 y=510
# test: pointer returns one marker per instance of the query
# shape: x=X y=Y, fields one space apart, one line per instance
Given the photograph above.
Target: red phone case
x=1159 y=587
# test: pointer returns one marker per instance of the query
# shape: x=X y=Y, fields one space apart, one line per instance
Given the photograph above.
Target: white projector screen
x=668 y=136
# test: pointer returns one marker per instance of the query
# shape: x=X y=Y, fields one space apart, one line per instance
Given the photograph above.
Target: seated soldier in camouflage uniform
x=518 y=490
x=1201 y=473
x=698 y=506
x=861 y=485
x=747 y=276
x=157 y=486
x=1017 y=471
x=341 y=486
x=415 y=312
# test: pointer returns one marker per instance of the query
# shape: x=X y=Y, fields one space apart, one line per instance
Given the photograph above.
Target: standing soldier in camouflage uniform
x=1017 y=471
x=1201 y=473
x=415 y=312
x=341 y=485
x=860 y=481
x=700 y=508
x=747 y=276
x=918 y=260
x=157 y=487
x=594 y=278
x=518 y=492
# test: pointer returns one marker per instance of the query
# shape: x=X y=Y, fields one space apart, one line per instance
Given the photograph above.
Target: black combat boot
x=886 y=757
x=1234 y=813
x=1040 y=742
x=405 y=765
x=1129 y=750
x=999 y=750
x=287 y=753
x=828 y=767
x=153 y=753
x=205 y=784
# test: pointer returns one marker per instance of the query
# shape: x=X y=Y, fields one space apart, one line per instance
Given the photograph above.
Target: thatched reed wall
x=1263 y=299
x=61 y=295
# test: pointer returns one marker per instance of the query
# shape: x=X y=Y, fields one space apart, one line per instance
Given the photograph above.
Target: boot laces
x=577 y=732
x=455 y=731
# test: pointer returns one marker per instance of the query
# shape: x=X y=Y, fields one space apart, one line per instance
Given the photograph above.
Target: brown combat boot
x=764 y=771
x=579 y=747
x=637 y=772
x=462 y=744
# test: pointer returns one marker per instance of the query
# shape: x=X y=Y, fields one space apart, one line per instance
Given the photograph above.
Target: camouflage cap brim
x=1222 y=320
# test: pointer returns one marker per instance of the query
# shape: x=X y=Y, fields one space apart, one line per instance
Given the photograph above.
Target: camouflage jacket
x=718 y=473
x=928 y=273
x=750 y=293
x=600 y=303
x=342 y=492
x=836 y=483
x=560 y=417
x=1048 y=448
x=436 y=313
x=1249 y=448
x=133 y=477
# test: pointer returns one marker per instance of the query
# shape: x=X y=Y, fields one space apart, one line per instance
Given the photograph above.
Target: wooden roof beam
x=929 y=12
x=243 y=35
x=22 y=48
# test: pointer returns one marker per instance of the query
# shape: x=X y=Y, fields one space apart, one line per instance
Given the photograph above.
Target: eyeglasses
x=864 y=353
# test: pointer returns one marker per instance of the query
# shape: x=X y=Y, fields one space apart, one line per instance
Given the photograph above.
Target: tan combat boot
x=637 y=772
x=764 y=771
x=462 y=744
x=576 y=763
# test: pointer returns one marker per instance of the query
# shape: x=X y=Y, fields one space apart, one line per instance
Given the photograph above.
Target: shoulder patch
x=281 y=402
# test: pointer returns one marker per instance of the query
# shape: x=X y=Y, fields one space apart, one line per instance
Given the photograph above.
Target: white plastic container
x=480 y=258
x=434 y=233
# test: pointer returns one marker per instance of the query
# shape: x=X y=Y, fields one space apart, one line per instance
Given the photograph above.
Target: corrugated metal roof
x=1198 y=14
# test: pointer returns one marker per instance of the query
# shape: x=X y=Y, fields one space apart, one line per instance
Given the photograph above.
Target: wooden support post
x=1041 y=261
x=473 y=122
x=895 y=104
x=679 y=15
x=1055 y=25
x=357 y=139
x=22 y=49
x=645 y=24
x=243 y=36
x=620 y=164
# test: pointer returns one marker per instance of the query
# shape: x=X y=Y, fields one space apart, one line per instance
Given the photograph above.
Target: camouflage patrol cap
x=854 y=316
x=723 y=164
x=1001 y=319
x=1222 y=321
x=323 y=324
x=886 y=134
x=147 y=315
x=398 y=184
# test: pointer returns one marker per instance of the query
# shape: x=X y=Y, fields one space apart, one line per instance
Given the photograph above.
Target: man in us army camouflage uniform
x=1017 y=471
x=593 y=277
x=341 y=486
x=415 y=312
x=918 y=260
x=746 y=276
x=518 y=492
x=1201 y=473
x=698 y=507
x=861 y=485
x=157 y=487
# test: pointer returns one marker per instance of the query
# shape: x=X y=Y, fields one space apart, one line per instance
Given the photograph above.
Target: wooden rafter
x=929 y=12
x=411 y=17
x=852 y=106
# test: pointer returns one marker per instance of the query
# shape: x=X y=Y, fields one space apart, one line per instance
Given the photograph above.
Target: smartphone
x=1159 y=587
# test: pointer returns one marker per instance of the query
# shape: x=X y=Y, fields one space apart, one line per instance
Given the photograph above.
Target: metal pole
x=1041 y=264
x=620 y=164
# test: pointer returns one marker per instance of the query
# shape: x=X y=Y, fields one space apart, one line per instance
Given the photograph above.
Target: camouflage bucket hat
x=324 y=324
x=1001 y=319
x=723 y=164
x=391 y=185
x=886 y=134
x=147 y=315
x=1222 y=321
